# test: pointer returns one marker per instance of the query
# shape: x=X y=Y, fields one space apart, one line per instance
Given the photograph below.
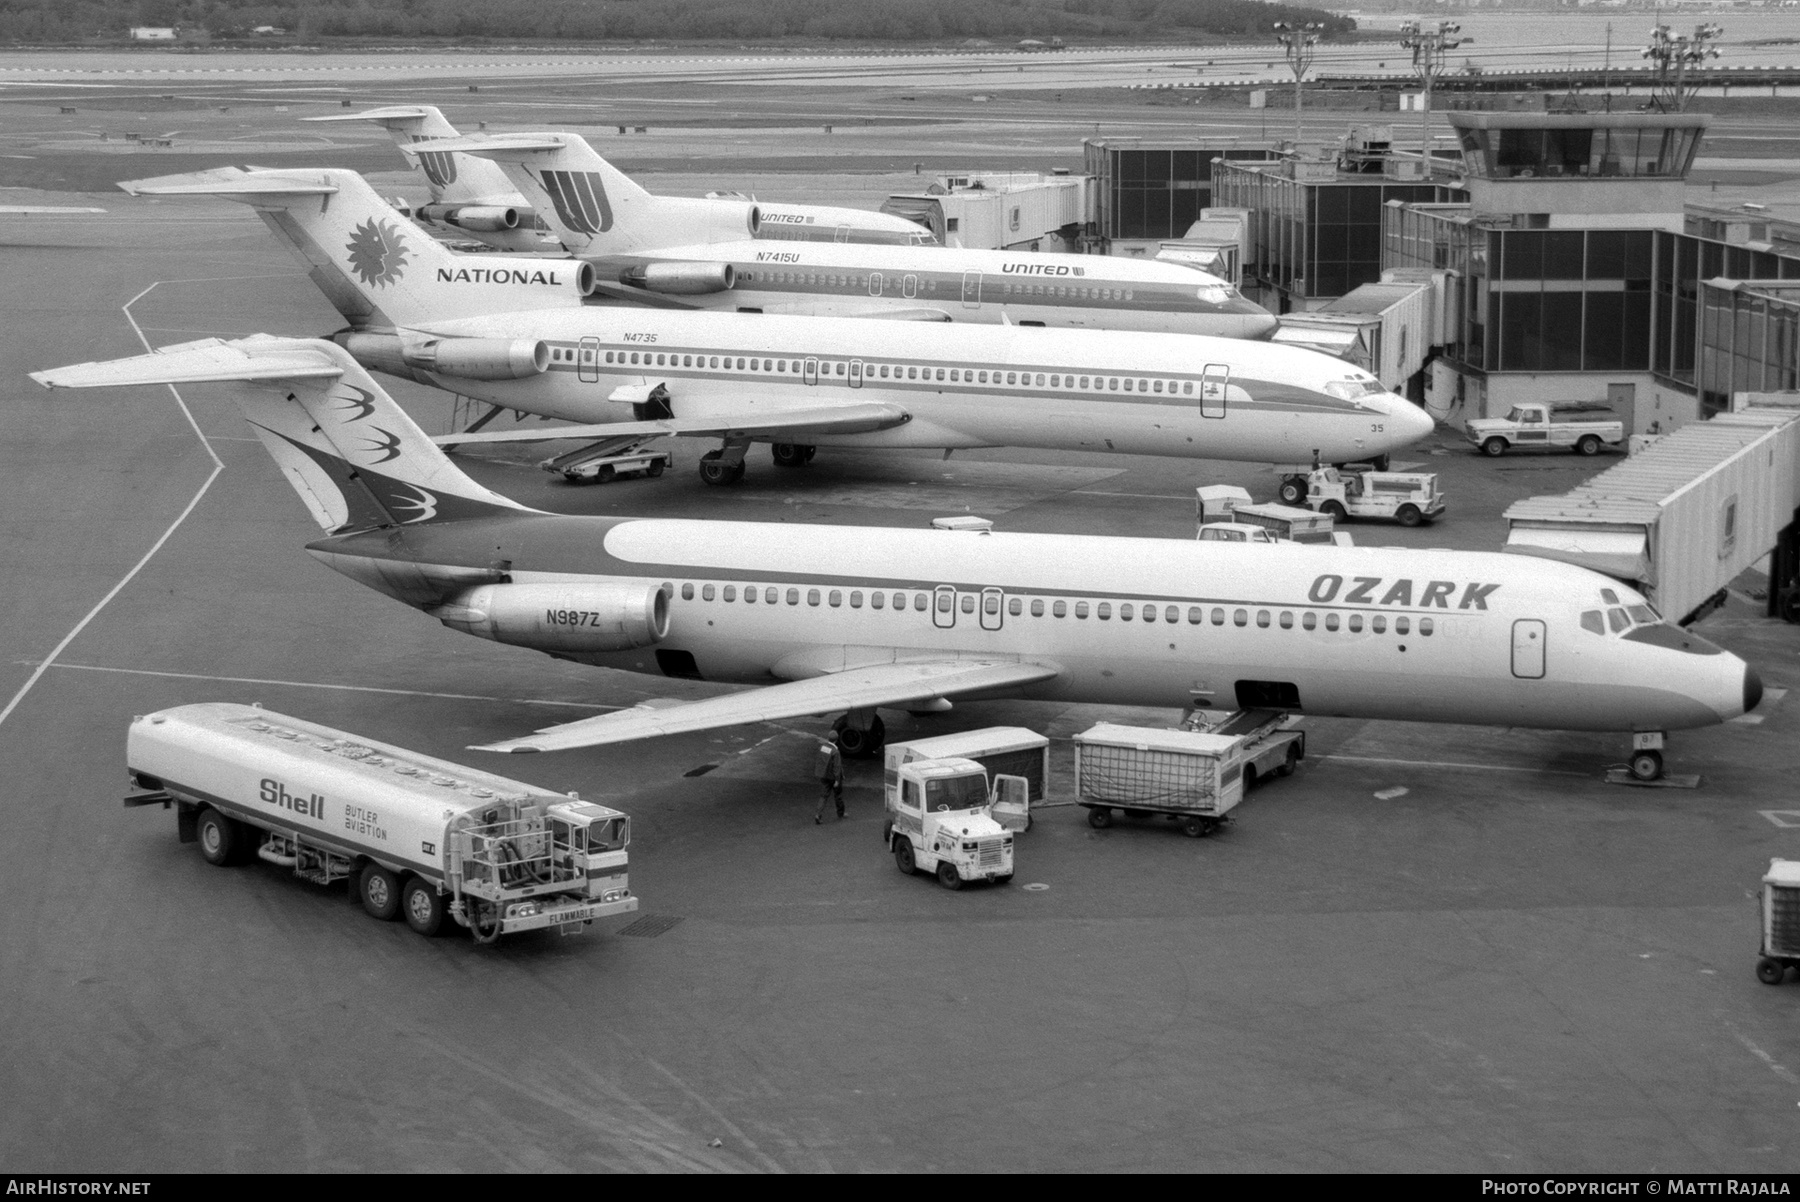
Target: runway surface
x=1433 y=948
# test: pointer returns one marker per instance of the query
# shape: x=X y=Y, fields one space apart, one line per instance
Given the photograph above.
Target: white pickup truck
x=1535 y=424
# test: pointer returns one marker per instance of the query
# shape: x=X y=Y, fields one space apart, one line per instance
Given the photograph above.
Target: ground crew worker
x=828 y=766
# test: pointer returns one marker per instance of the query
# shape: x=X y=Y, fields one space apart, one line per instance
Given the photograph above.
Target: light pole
x=1429 y=47
x=1670 y=50
x=1299 y=43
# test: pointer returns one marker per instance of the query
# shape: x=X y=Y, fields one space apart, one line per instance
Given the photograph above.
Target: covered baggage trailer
x=1780 y=921
x=1194 y=777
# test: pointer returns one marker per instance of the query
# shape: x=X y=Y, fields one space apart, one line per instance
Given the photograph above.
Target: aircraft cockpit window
x=1592 y=621
x=1642 y=614
x=1618 y=620
x=1608 y=596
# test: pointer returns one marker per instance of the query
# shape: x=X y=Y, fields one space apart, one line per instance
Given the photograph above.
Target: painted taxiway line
x=1368 y=759
x=319 y=684
x=218 y=467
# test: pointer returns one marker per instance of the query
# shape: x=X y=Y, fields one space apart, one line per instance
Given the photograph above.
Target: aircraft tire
x=716 y=472
x=1380 y=463
x=788 y=454
x=1647 y=765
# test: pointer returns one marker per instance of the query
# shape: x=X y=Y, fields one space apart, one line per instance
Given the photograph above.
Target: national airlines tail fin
x=375 y=267
x=453 y=178
x=593 y=207
x=353 y=455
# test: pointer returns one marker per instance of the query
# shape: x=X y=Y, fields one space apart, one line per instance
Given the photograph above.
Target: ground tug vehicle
x=1008 y=750
x=411 y=835
x=1535 y=424
x=1195 y=777
x=940 y=821
x=1410 y=498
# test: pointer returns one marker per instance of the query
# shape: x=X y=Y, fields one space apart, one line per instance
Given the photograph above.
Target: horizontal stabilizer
x=206 y=361
x=231 y=181
x=859 y=418
x=399 y=112
x=889 y=684
x=500 y=146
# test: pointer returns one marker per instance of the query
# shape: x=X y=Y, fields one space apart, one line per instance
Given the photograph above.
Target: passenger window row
x=1126 y=611
x=928 y=284
x=898 y=371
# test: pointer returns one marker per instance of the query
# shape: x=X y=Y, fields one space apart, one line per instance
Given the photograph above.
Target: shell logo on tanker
x=1370 y=590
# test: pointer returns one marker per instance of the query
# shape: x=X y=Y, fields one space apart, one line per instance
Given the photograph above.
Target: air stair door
x=1214 y=382
x=587 y=361
x=971 y=290
x=1528 y=649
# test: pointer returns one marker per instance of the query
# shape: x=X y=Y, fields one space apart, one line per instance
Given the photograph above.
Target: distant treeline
x=605 y=20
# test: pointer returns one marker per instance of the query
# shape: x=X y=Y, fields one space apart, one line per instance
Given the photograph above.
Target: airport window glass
x=1378 y=624
x=1331 y=622
x=1081 y=609
x=687 y=592
x=1103 y=611
x=1356 y=623
x=1309 y=621
x=1037 y=609
x=835 y=599
x=1218 y=617
x=1425 y=626
x=855 y=599
x=1561 y=316
x=771 y=595
x=706 y=592
x=1060 y=609
x=1194 y=615
x=1287 y=620
x=730 y=592
x=1240 y=617
x=1402 y=625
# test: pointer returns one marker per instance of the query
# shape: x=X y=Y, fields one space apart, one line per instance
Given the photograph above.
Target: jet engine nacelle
x=465 y=358
x=682 y=279
x=561 y=617
x=481 y=219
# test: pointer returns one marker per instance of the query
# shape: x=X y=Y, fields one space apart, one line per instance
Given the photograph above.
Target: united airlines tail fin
x=354 y=456
x=375 y=267
x=455 y=179
x=593 y=207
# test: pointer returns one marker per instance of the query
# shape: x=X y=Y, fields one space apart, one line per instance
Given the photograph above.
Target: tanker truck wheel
x=423 y=906
x=379 y=891
x=221 y=840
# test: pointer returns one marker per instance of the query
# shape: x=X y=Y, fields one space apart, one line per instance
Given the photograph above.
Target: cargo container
x=1195 y=777
x=1680 y=519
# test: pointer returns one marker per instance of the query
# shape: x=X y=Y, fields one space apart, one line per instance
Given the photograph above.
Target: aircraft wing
x=889 y=684
x=209 y=360
x=856 y=418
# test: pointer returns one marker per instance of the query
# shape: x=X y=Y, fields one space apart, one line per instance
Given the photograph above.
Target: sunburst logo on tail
x=377 y=252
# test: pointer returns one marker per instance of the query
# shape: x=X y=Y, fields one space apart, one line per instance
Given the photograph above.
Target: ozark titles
x=1435 y=593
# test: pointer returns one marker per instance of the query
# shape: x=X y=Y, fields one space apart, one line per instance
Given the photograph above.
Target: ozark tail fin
x=353 y=455
x=375 y=267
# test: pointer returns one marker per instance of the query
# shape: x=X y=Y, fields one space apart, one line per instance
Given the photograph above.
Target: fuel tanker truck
x=413 y=837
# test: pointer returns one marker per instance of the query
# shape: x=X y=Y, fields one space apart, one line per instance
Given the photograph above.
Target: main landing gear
x=725 y=465
x=860 y=734
x=791 y=454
